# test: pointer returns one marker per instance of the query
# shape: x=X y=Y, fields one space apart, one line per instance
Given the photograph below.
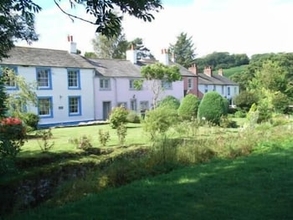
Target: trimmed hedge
x=188 y=107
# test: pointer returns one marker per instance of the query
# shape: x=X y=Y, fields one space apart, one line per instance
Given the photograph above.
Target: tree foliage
x=155 y=75
x=212 y=107
x=16 y=23
x=188 y=107
x=3 y=98
x=110 y=47
x=169 y=102
x=183 y=50
x=245 y=99
x=17 y=17
x=222 y=60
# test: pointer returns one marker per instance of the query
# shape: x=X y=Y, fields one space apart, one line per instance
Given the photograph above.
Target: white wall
x=60 y=93
x=120 y=92
x=221 y=89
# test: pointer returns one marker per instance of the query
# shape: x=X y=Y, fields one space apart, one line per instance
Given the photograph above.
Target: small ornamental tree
x=118 y=116
x=188 y=107
x=169 y=102
x=155 y=75
x=212 y=107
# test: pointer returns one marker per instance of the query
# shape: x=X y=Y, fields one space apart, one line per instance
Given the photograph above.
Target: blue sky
x=235 y=26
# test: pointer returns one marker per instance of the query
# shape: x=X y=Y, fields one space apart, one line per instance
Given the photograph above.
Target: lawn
x=61 y=137
x=258 y=186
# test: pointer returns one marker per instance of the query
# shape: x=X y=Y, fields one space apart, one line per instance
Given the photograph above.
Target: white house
x=65 y=87
x=208 y=81
x=73 y=89
x=114 y=84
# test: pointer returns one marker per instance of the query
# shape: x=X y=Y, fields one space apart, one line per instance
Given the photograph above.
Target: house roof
x=215 y=79
x=183 y=70
x=28 y=56
x=114 y=67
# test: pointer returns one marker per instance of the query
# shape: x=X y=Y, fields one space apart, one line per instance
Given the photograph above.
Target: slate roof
x=28 y=56
x=215 y=79
x=114 y=68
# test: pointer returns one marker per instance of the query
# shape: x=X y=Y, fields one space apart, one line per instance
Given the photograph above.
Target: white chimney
x=131 y=55
x=72 y=45
x=164 y=58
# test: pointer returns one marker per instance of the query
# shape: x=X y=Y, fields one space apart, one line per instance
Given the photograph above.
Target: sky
x=234 y=26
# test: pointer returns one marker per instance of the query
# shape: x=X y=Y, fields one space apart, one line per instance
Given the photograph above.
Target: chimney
x=193 y=69
x=220 y=72
x=131 y=55
x=72 y=47
x=164 y=58
x=208 y=71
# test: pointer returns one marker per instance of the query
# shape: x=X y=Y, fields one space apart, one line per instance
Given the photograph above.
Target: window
x=222 y=90
x=144 y=105
x=206 y=89
x=235 y=90
x=228 y=90
x=44 y=78
x=214 y=88
x=166 y=85
x=45 y=109
x=9 y=74
x=133 y=104
x=73 y=78
x=124 y=104
x=131 y=84
x=190 y=84
x=74 y=105
x=105 y=84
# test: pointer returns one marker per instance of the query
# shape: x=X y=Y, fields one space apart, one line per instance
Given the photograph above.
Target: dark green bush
x=188 y=107
x=30 y=119
x=240 y=114
x=280 y=102
x=118 y=116
x=133 y=117
x=226 y=122
x=212 y=108
x=169 y=102
x=245 y=99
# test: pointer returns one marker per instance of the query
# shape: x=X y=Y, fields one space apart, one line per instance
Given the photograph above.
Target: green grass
x=61 y=137
x=258 y=186
x=231 y=71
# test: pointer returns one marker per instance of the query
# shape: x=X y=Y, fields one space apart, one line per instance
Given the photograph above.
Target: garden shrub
x=104 y=137
x=44 y=143
x=264 y=112
x=245 y=99
x=188 y=107
x=240 y=114
x=83 y=142
x=31 y=120
x=280 y=101
x=159 y=120
x=212 y=108
x=133 y=117
x=169 y=102
x=226 y=122
x=118 y=116
x=226 y=106
x=121 y=133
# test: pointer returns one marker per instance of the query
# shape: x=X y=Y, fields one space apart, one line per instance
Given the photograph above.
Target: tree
x=156 y=75
x=245 y=99
x=17 y=17
x=112 y=48
x=3 y=98
x=188 y=107
x=142 y=51
x=24 y=96
x=16 y=23
x=183 y=50
x=169 y=102
x=212 y=107
x=90 y=55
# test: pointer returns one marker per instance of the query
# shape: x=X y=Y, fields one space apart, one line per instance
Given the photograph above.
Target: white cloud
x=235 y=26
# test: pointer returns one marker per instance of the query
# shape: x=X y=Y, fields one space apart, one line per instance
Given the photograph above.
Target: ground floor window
x=74 y=105
x=45 y=107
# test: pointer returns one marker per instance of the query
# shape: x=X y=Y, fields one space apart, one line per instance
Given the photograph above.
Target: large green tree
x=110 y=47
x=183 y=50
x=17 y=17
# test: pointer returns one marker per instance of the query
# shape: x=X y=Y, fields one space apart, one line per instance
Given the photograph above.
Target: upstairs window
x=73 y=78
x=44 y=78
x=9 y=73
x=166 y=85
x=105 y=84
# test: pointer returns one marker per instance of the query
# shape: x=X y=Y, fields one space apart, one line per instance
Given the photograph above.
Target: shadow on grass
x=254 y=187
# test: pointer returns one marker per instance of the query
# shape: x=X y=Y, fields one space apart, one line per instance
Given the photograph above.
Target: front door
x=106 y=110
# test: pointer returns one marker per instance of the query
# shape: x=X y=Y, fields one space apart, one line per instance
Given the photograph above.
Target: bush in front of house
x=188 y=107
x=169 y=102
x=31 y=120
x=212 y=108
x=133 y=117
x=118 y=116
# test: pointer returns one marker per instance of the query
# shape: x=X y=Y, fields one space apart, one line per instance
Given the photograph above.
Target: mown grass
x=231 y=71
x=258 y=186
